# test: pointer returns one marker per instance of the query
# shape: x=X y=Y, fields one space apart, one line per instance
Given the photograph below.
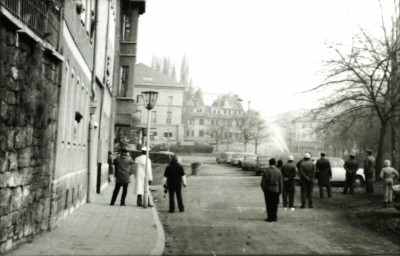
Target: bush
x=192 y=149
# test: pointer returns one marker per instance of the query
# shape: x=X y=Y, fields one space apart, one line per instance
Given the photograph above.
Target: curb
x=160 y=243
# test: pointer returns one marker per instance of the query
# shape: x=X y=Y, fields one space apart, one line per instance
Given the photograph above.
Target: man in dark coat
x=288 y=171
x=307 y=175
x=123 y=169
x=369 y=171
x=324 y=174
x=175 y=178
x=351 y=167
x=271 y=184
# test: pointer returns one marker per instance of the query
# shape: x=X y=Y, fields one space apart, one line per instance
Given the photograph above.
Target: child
x=388 y=174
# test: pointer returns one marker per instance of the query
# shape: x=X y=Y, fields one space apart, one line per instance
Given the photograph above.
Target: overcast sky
x=267 y=51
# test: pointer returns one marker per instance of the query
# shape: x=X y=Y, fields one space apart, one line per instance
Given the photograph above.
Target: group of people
x=123 y=167
x=279 y=178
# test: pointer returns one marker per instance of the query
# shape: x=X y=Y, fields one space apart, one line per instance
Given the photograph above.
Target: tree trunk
x=395 y=146
x=381 y=145
x=255 y=148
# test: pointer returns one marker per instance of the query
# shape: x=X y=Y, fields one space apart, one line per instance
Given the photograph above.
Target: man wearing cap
x=307 y=174
x=351 y=167
x=324 y=174
x=369 y=171
x=289 y=171
x=140 y=162
x=123 y=169
x=271 y=184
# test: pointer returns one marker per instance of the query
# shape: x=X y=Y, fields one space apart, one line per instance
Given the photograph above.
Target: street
x=225 y=212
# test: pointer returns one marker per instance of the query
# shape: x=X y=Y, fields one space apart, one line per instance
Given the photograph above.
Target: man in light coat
x=140 y=164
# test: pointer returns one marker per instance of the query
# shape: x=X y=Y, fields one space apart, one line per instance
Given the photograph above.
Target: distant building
x=166 y=117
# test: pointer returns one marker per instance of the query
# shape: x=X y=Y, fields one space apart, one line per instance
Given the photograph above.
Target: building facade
x=166 y=117
x=57 y=101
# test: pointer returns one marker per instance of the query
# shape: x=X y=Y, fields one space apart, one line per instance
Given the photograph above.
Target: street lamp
x=150 y=99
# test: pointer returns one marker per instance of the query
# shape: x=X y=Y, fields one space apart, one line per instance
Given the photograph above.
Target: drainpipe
x=89 y=199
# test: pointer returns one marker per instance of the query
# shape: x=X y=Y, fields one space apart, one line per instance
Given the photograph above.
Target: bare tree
x=361 y=82
x=247 y=125
x=261 y=133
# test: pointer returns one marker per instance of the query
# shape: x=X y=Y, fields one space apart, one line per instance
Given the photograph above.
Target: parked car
x=262 y=164
x=249 y=162
x=339 y=173
x=237 y=158
x=223 y=158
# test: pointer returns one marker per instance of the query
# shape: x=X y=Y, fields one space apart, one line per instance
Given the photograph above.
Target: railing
x=41 y=16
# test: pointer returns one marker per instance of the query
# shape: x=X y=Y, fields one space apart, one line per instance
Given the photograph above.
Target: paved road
x=224 y=215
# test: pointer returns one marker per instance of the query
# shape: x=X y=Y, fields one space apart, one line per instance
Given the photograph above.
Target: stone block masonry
x=29 y=87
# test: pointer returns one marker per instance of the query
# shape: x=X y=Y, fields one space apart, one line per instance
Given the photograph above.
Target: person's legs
x=275 y=202
x=171 y=192
x=346 y=185
x=303 y=191
x=139 y=200
x=179 y=199
x=329 y=190
x=321 y=192
x=268 y=204
x=115 y=193
x=351 y=183
x=291 y=195
x=284 y=194
x=310 y=186
x=124 y=192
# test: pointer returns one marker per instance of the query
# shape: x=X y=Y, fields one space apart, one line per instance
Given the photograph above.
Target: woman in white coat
x=140 y=164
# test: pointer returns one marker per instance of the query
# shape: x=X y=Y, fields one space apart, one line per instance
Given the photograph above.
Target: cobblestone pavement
x=100 y=229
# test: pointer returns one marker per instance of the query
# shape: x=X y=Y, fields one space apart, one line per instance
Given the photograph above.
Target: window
x=167 y=134
x=201 y=133
x=126 y=28
x=153 y=117
x=187 y=133
x=123 y=86
x=169 y=117
x=170 y=100
x=201 y=121
x=139 y=115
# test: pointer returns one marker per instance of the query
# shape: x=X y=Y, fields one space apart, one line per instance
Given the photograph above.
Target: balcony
x=41 y=16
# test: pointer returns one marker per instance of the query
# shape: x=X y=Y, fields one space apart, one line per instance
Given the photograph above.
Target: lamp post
x=150 y=99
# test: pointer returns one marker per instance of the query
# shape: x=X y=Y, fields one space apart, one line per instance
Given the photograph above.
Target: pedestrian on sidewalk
x=271 y=184
x=369 y=171
x=288 y=171
x=323 y=174
x=351 y=167
x=140 y=163
x=388 y=175
x=123 y=169
x=307 y=175
x=110 y=166
x=174 y=178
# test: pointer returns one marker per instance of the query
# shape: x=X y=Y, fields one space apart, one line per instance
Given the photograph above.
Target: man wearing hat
x=140 y=162
x=307 y=174
x=271 y=184
x=123 y=169
x=324 y=174
x=351 y=167
x=369 y=171
x=289 y=171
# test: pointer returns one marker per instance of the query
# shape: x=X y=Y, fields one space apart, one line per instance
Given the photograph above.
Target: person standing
x=175 y=178
x=140 y=162
x=307 y=175
x=324 y=174
x=388 y=175
x=369 y=171
x=288 y=171
x=123 y=169
x=110 y=166
x=351 y=167
x=271 y=184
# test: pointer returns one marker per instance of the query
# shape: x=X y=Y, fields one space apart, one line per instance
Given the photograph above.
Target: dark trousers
x=288 y=191
x=272 y=201
x=349 y=184
x=306 y=188
x=369 y=186
x=328 y=190
x=116 y=191
x=172 y=190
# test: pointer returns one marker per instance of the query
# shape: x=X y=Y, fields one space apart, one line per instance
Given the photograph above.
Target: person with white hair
x=307 y=175
x=140 y=164
x=288 y=171
x=388 y=175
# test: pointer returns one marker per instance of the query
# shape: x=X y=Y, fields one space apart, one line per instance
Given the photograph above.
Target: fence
x=41 y=16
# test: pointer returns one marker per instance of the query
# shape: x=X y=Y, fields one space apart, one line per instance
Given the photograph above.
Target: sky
x=266 y=51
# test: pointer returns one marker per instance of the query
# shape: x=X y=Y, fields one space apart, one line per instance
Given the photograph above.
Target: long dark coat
x=324 y=171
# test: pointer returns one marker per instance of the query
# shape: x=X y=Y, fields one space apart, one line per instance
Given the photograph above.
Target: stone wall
x=29 y=85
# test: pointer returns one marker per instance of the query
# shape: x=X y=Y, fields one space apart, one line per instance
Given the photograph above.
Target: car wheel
x=359 y=181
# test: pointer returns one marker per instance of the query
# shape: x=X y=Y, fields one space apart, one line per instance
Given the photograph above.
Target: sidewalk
x=100 y=229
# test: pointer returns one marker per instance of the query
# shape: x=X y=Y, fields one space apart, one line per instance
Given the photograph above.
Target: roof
x=144 y=75
x=228 y=101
